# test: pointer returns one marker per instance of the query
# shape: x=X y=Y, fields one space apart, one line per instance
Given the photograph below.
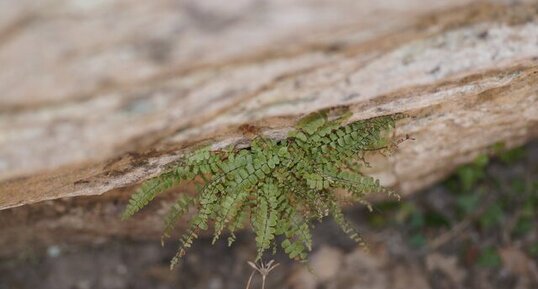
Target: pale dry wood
x=100 y=95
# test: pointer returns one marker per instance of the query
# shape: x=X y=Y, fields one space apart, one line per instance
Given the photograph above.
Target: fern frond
x=228 y=211
x=149 y=191
x=298 y=240
x=265 y=219
x=238 y=223
x=344 y=225
x=178 y=209
x=281 y=186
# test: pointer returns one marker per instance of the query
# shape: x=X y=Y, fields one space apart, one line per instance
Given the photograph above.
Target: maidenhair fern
x=280 y=186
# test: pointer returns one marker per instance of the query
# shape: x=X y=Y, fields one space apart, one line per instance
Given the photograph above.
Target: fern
x=149 y=191
x=176 y=212
x=264 y=223
x=281 y=186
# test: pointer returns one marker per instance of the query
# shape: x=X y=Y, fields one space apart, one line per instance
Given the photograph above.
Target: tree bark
x=98 y=96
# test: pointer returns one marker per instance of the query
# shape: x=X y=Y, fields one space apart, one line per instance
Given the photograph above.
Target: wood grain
x=100 y=95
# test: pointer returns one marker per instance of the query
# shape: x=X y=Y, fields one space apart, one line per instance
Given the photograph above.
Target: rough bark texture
x=100 y=95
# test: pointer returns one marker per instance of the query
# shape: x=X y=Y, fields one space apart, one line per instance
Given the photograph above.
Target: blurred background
x=97 y=96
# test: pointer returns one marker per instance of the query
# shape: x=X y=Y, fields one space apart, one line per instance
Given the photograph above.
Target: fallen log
x=99 y=97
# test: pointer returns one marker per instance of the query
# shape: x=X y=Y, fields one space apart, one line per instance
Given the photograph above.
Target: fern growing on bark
x=280 y=186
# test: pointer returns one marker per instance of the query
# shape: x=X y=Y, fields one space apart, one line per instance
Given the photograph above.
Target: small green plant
x=489 y=258
x=508 y=156
x=279 y=187
x=471 y=174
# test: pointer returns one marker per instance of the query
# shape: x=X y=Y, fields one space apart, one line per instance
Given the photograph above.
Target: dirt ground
x=478 y=229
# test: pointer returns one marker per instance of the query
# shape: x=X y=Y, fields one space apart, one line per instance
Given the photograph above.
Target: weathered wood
x=99 y=95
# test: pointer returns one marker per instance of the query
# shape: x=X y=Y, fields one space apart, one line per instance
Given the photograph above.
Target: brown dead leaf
x=517 y=262
x=447 y=265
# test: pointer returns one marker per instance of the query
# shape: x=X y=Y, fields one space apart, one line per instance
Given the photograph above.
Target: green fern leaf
x=148 y=192
x=177 y=210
